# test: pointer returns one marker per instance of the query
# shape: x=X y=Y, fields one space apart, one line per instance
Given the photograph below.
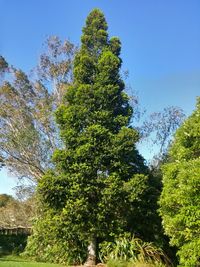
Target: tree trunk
x=91 y=260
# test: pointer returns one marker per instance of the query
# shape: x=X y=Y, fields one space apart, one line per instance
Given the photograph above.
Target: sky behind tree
x=160 y=44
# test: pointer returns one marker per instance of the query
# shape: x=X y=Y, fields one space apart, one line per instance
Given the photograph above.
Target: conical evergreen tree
x=99 y=178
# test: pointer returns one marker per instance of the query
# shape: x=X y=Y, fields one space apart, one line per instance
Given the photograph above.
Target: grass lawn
x=13 y=261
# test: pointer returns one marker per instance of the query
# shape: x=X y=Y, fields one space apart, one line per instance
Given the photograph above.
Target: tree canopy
x=28 y=133
x=99 y=183
x=180 y=198
x=15 y=212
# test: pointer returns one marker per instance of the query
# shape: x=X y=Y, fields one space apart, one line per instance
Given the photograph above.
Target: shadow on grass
x=12 y=258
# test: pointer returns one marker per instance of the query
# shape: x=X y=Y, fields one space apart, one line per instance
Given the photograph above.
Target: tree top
x=95 y=31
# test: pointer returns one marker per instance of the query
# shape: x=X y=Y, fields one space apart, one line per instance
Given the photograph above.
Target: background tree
x=4 y=199
x=28 y=133
x=158 y=130
x=99 y=183
x=180 y=197
x=15 y=212
x=55 y=66
x=3 y=66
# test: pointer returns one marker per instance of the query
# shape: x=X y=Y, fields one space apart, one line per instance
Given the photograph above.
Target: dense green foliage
x=180 y=199
x=100 y=186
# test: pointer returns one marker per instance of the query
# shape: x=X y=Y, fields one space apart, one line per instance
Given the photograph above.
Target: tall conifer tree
x=99 y=178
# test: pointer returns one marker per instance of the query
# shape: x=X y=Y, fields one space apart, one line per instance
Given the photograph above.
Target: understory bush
x=47 y=245
x=131 y=249
x=56 y=252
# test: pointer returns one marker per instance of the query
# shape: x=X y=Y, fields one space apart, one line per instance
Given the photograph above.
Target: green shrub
x=131 y=249
x=55 y=247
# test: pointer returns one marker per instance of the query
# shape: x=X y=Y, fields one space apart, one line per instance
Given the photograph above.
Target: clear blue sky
x=160 y=43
